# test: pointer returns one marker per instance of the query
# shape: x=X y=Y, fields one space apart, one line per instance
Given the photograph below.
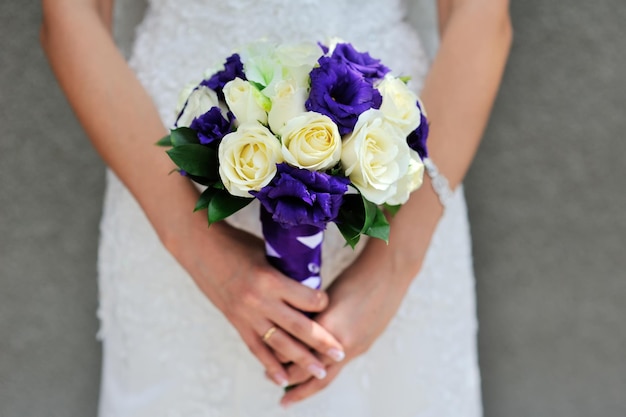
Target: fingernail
x=336 y=354
x=317 y=371
x=285 y=404
x=281 y=380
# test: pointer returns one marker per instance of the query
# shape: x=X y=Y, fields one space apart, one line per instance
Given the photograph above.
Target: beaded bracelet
x=439 y=182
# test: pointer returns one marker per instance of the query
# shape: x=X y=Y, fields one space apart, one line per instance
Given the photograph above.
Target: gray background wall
x=546 y=199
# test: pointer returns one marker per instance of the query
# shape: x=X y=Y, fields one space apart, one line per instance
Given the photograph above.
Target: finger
x=302 y=297
x=297 y=375
x=310 y=387
x=296 y=352
x=273 y=367
x=309 y=332
x=282 y=358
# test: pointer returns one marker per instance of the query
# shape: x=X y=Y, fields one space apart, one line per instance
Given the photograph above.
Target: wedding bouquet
x=317 y=133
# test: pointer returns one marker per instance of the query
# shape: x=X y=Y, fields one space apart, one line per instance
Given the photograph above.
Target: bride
x=194 y=320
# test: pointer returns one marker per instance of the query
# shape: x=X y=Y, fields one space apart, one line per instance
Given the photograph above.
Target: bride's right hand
x=230 y=268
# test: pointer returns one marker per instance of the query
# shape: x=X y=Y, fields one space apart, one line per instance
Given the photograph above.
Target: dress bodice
x=177 y=41
x=282 y=19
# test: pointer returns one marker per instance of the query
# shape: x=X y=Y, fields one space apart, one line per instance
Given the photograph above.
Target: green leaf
x=209 y=182
x=371 y=211
x=393 y=210
x=184 y=136
x=256 y=85
x=196 y=160
x=337 y=170
x=165 y=141
x=359 y=216
x=223 y=204
x=351 y=218
x=379 y=228
x=205 y=198
x=405 y=78
x=351 y=234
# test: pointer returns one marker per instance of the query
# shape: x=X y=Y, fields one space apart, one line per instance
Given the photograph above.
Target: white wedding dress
x=168 y=352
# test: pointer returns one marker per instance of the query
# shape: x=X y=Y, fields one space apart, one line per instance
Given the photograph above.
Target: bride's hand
x=230 y=267
x=362 y=302
x=366 y=296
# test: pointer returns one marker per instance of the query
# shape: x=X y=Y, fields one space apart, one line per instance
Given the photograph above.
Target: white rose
x=311 y=141
x=200 y=101
x=375 y=156
x=287 y=102
x=183 y=96
x=248 y=158
x=399 y=104
x=297 y=60
x=246 y=102
x=261 y=64
x=410 y=182
x=297 y=54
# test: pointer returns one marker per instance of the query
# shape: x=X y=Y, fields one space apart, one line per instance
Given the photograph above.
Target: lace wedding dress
x=168 y=352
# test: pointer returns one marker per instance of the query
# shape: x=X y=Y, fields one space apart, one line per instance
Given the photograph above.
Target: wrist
x=172 y=216
x=199 y=250
x=411 y=231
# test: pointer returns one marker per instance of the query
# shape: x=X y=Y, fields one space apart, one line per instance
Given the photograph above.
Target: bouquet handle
x=296 y=251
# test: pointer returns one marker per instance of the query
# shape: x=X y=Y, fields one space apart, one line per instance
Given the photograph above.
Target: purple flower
x=212 y=126
x=362 y=62
x=417 y=138
x=233 y=68
x=324 y=47
x=301 y=197
x=340 y=93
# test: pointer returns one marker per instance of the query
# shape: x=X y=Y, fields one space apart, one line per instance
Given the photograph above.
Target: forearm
x=458 y=94
x=460 y=89
x=114 y=109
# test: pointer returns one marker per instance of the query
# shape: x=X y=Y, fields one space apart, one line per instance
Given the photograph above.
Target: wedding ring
x=269 y=333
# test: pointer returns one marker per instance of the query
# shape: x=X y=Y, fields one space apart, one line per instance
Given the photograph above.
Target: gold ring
x=269 y=333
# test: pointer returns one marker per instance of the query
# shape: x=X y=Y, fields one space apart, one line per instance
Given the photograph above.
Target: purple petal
x=300 y=197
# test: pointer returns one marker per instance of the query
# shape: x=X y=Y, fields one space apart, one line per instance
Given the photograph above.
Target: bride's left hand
x=367 y=295
x=363 y=300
